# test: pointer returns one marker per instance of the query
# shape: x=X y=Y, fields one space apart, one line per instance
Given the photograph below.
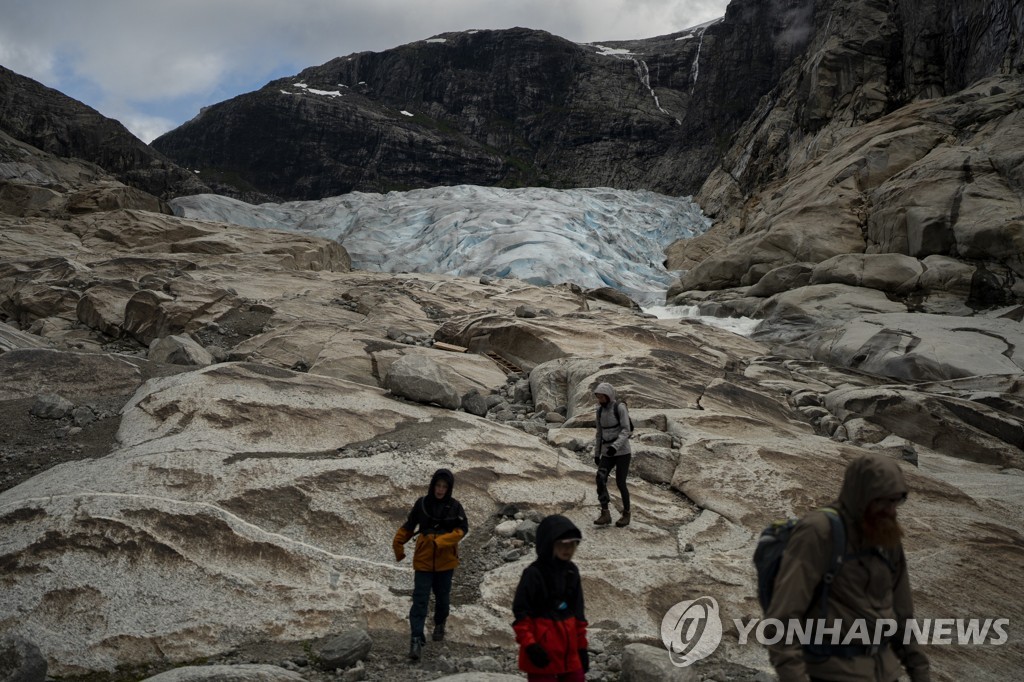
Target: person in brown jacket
x=872 y=584
x=441 y=523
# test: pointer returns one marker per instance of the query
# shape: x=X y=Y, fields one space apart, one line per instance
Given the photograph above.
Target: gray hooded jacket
x=612 y=431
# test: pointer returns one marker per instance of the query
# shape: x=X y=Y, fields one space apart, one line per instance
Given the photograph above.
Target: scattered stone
x=83 y=415
x=526 y=311
x=527 y=531
x=355 y=673
x=506 y=529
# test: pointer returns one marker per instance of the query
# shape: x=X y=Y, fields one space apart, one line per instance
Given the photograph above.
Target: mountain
x=880 y=179
x=509 y=108
x=55 y=123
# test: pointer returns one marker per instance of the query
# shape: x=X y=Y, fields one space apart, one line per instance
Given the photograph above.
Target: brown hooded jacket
x=871 y=585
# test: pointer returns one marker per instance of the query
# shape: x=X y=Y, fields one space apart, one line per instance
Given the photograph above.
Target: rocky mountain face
x=53 y=122
x=511 y=108
x=879 y=180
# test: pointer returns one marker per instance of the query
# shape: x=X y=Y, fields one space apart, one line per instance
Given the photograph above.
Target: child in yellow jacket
x=438 y=522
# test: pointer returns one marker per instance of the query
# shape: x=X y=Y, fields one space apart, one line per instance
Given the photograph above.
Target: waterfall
x=644 y=73
x=695 y=69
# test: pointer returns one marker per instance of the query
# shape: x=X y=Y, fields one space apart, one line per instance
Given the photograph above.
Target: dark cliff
x=897 y=131
x=57 y=124
x=511 y=108
x=864 y=59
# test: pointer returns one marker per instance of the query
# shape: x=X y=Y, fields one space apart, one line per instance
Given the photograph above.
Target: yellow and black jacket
x=438 y=525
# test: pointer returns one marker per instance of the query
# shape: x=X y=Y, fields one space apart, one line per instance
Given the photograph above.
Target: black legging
x=621 y=464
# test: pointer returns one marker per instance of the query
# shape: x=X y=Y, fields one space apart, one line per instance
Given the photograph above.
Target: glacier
x=592 y=237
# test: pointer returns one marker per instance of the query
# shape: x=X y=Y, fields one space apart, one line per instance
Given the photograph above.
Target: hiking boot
x=415 y=648
x=604 y=519
x=438 y=632
x=623 y=520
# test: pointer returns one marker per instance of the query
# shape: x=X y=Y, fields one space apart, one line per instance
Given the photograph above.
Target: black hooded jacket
x=548 y=605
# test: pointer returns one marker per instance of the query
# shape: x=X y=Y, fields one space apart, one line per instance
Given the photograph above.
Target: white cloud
x=29 y=60
x=146 y=128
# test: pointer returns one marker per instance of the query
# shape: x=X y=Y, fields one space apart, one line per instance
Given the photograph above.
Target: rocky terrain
x=212 y=433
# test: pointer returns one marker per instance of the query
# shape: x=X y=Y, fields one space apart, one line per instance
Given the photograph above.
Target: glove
x=597 y=460
x=611 y=451
x=399 y=554
x=584 y=659
x=535 y=652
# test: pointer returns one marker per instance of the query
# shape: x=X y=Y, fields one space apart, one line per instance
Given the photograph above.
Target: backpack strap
x=838 y=555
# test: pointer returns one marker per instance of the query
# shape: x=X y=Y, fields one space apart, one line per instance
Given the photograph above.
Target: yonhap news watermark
x=868 y=633
x=692 y=630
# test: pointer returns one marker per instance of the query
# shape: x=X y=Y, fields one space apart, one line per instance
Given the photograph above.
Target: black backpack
x=771 y=545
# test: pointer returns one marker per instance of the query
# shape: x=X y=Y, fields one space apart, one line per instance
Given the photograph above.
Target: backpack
x=618 y=420
x=771 y=546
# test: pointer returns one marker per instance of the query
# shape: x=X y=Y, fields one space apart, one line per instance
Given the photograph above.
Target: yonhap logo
x=691 y=630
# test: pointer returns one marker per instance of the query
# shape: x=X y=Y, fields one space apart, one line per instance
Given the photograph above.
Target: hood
x=605 y=388
x=552 y=528
x=442 y=475
x=868 y=477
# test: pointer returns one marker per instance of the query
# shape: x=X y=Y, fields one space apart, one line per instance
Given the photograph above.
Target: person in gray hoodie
x=611 y=451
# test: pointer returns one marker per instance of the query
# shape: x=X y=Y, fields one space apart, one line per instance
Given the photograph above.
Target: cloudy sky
x=152 y=64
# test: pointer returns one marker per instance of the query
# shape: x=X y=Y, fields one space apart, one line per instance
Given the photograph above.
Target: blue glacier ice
x=592 y=237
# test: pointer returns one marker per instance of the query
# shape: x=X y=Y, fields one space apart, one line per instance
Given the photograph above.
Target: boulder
x=612 y=296
x=50 y=406
x=645 y=663
x=243 y=672
x=419 y=378
x=344 y=650
x=110 y=196
x=922 y=347
x=792 y=276
x=889 y=272
x=76 y=376
x=183 y=306
x=103 y=307
x=179 y=350
x=20 y=660
x=792 y=315
x=462 y=371
x=947 y=424
x=12 y=339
